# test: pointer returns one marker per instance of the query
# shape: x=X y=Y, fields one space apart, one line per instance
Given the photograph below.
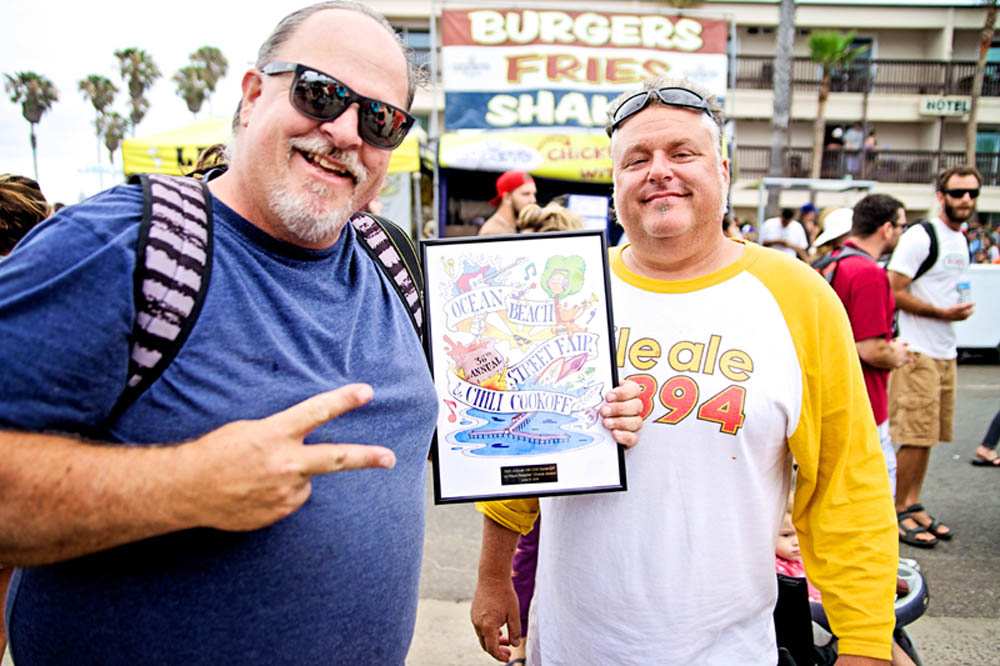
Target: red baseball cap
x=508 y=182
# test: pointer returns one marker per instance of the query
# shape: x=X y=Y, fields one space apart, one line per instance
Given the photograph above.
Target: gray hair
x=715 y=123
x=287 y=26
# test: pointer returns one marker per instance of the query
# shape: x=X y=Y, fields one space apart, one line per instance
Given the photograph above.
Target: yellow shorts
x=922 y=401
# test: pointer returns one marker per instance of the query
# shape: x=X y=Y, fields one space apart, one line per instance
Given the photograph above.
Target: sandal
x=909 y=534
x=980 y=461
x=935 y=526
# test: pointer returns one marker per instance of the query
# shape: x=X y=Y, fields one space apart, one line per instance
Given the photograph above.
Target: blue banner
x=526 y=108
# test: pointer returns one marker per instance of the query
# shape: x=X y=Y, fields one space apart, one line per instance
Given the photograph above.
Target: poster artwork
x=521 y=355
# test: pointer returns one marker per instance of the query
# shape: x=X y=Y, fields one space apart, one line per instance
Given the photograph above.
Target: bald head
x=291 y=23
x=288 y=25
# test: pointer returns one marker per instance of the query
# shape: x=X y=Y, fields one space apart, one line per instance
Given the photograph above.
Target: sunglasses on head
x=959 y=192
x=670 y=95
x=321 y=97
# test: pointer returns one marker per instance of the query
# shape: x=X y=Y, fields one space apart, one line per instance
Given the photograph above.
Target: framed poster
x=519 y=337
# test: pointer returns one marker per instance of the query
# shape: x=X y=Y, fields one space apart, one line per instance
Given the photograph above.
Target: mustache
x=349 y=159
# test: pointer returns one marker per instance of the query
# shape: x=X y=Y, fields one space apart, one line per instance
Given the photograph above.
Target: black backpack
x=174 y=264
x=932 y=253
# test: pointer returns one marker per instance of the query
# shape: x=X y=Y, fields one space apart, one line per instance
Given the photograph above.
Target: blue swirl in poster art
x=519 y=434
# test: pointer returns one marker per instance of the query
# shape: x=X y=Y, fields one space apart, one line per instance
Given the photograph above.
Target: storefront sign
x=517 y=68
x=944 y=106
x=576 y=156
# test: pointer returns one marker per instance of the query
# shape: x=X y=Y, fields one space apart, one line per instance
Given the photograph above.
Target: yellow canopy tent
x=176 y=151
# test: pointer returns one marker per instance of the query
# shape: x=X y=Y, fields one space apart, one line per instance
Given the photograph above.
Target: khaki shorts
x=922 y=401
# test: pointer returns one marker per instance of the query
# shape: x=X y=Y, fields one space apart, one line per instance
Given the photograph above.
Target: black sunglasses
x=321 y=97
x=670 y=95
x=959 y=192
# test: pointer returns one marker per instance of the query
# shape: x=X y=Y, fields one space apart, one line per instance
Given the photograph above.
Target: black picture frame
x=481 y=295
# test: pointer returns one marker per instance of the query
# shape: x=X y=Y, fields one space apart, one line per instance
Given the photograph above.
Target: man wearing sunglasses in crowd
x=922 y=393
x=268 y=540
x=745 y=356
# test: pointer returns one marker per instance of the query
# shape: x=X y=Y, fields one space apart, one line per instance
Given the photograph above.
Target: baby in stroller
x=911 y=601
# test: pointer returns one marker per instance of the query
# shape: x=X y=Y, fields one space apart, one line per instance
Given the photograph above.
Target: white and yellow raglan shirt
x=740 y=369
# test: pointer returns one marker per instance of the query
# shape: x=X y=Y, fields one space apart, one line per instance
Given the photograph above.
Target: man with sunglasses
x=745 y=355
x=198 y=527
x=922 y=394
x=211 y=528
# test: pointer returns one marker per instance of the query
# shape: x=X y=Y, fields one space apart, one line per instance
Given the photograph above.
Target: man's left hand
x=622 y=413
x=852 y=660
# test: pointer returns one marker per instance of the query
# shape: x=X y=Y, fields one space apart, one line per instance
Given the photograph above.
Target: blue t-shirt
x=335 y=582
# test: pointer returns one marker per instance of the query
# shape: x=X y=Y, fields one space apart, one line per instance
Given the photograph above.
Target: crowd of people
x=811 y=233
x=259 y=498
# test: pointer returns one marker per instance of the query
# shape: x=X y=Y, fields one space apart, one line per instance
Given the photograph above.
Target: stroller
x=803 y=632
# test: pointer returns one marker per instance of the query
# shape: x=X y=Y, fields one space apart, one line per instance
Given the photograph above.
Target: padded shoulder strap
x=392 y=250
x=171 y=276
x=848 y=251
x=827 y=266
x=932 y=254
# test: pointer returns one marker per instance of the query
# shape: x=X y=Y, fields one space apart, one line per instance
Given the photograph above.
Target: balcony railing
x=889 y=166
x=917 y=77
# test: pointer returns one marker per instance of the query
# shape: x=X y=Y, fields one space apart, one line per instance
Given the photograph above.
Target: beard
x=957 y=217
x=303 y=208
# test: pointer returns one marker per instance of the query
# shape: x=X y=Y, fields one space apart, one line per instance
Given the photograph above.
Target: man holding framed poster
x=746 y=356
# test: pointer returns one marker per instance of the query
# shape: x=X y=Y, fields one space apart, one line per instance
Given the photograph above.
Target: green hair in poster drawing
x=563 y=276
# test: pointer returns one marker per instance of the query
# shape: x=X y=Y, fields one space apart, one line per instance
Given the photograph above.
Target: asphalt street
x=961 y=626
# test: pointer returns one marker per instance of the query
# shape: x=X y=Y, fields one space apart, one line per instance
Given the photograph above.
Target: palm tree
x=214 y=65
x=832 y=51
x=191 y=87
x=100 y=92
x=36 y=95
x=139 y=72
x=782 y=99
x=112 y=126
x=985 y=39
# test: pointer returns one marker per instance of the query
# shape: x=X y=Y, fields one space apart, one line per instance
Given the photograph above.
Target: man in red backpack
x=863 y=286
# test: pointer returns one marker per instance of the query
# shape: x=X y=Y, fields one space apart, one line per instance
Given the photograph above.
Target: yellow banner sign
x=584 y=157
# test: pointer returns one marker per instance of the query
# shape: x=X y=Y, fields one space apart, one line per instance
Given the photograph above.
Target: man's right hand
x=959 y=312
x=493 y=606
x=250 y=474
x=899 y=353
x=63 y=498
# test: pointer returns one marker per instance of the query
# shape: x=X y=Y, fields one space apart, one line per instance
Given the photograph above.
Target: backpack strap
x=392 y=250
x=932 y=254
x=172 y=270
x=827 y=266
